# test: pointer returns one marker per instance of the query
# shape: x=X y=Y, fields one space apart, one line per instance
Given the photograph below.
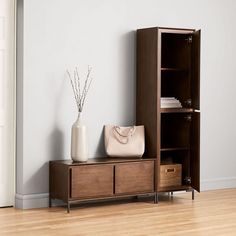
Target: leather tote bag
x=124 y=141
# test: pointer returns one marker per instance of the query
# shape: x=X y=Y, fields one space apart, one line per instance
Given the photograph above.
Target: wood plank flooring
x=211 y=213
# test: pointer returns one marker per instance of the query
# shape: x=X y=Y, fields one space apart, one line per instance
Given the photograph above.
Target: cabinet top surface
x=103 y=160
x=170 y=30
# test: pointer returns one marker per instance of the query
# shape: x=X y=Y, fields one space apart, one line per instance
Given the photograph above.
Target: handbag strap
x=117 y=130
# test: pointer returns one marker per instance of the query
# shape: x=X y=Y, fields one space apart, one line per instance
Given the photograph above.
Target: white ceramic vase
x=79 y=147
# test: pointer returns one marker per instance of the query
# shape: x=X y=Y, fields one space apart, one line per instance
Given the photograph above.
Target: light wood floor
x=211 y=213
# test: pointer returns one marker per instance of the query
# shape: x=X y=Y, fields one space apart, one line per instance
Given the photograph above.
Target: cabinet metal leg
x=156 y=198
x=68 y=207
x=50 y=202
x=192 y=194
x=171 y=194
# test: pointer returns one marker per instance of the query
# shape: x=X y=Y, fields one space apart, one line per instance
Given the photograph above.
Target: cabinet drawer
x=91 y=181
x=135 y=177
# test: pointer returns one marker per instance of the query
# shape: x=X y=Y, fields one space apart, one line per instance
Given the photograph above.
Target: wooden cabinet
x=168 y=65
x=100 y=178
x=91 y=181
x=136 y=177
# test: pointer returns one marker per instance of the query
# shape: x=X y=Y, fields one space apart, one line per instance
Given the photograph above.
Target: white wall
x=59 y=34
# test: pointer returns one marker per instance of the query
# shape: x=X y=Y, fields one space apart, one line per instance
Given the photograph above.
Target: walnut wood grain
x=91 y=181
x=58 y=181
x=196 y=55
x=176 y=110
x=195 y=151
x=146 y=87
x=134 y=177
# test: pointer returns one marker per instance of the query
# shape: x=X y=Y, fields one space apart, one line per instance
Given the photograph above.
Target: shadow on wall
x=56 y=140
x=100 y=150
x=56 y=144
x=37 y=180
x=128 y=86
x=128 y=96
x=56 y=137
x=40 y=177
x=55 y=148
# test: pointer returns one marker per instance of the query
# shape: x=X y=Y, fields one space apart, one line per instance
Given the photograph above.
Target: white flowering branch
x=80 y=94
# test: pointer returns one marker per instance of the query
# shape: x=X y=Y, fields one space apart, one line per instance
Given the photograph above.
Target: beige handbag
x=124 y=141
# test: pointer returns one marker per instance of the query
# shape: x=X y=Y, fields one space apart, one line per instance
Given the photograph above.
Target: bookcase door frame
x=195 y=151
x=196 y=69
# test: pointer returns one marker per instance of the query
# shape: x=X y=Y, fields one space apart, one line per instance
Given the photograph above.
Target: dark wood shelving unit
x=168 y=65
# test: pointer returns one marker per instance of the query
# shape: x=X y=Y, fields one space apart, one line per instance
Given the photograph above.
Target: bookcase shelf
x=173 y=69
x=168 y=65
x=174 y=188
x=172 y=149
x=176 y=110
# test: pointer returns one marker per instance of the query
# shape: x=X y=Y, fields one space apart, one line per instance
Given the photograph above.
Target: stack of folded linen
x=170 y=102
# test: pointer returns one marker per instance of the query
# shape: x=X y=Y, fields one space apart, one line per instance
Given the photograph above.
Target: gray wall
x=59 y=34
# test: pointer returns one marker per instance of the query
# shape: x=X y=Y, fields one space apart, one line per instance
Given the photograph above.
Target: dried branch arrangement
x=80 y=93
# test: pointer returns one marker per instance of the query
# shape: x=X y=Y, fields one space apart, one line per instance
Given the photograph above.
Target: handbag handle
x=127 y=136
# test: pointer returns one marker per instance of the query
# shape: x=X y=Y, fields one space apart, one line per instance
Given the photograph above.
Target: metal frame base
x=156 y=199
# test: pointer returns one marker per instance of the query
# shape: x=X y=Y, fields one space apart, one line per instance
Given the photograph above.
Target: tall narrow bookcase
x=168 y=65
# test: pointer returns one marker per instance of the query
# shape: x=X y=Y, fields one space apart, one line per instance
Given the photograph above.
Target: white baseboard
x=28 y=201
x=40 y=200
x=219 y=183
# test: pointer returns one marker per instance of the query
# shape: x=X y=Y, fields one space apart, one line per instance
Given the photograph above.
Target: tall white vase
x=79 y=147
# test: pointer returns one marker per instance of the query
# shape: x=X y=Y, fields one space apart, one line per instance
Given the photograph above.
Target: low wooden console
x=100 y=178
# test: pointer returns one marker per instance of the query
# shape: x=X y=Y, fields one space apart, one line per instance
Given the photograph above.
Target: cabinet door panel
x=91 y=181
x=196 y=69
x=195 y=151
x=136 y=177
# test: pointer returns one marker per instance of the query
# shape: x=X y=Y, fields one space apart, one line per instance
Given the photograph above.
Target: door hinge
x=189 y=39
x=188 y=102
x=188 y=118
